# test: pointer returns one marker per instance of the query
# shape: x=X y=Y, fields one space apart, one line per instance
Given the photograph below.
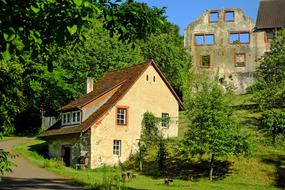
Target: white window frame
x=71 y=118
x=122 y=115
x=117 y=147
x=165 y=123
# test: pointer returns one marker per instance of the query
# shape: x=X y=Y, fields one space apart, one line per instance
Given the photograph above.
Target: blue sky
x=183 y=12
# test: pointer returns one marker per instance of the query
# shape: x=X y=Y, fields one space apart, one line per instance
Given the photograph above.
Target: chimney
x=89 y=85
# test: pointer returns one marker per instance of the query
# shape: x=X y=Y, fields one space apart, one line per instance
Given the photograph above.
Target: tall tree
x=166 y=48
x=269 y=90
x=213 y=130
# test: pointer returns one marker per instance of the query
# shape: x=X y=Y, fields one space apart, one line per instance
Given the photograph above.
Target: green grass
x=8 y=138
x=263 y=170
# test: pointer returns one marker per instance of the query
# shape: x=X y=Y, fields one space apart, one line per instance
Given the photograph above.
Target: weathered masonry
x=224 y=45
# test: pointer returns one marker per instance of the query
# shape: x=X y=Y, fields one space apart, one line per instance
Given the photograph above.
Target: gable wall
x=143 y=96
x=222 y=53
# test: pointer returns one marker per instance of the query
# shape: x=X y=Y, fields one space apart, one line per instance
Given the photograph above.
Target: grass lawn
x=264 y=169
x=7 y=138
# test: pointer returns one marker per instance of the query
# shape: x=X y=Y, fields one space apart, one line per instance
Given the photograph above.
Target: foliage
x=98 y=54
x=61 y=22
x=11 y=99
x=269 y=90
x=161 y=156
x=5 y=164
x=273 y=121
x=213 y=130
x=132 y=20
x=166 y=48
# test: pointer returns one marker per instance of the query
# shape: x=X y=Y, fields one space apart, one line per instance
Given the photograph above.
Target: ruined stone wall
x=223 y=54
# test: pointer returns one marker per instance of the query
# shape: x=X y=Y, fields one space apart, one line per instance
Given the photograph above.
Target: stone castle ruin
x=224 y=45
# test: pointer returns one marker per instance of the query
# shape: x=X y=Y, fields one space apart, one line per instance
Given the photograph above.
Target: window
x=146 y=77
x=70 y=118
x=204 y=39
x=229 y=16
x=165 y=120
x=122 y=115
x=213 y=17
x=239 y=38
x=240 y=59
x=269 y=35
x=117 y=147
x=205 y=60
x=153 y=78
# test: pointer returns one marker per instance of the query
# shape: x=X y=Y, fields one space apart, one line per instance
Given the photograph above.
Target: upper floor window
x=70 y=118
x=204 y=39
x=213 y=17
x=205 y=60
x=122 y=115
x=229 y=16
x=117 y=144
x=239 y=38
x=240 y=59
x=165 y=120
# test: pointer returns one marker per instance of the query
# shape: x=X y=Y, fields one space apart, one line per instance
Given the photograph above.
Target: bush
x=273 y=121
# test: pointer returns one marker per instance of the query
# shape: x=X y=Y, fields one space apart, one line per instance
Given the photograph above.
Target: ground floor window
x=117 y=144
x=205 y=60
x=165 y=120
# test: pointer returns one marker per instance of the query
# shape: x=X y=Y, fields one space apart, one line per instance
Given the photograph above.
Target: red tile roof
x=123 y=79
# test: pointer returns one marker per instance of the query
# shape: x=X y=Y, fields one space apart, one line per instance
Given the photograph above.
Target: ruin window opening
x=204 y=39
x=213 y=17
x=240 y=60
x=239 y=38
x=230 y=16
x=205 y=60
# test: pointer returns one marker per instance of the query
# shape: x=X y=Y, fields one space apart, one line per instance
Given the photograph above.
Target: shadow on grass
x=279 y=162
x=41 y=149
x=187 y=169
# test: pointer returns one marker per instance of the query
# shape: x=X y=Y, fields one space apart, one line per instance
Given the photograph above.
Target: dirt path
x=29 y=176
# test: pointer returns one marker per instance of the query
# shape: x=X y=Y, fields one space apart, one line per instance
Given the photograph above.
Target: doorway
x=66 y=155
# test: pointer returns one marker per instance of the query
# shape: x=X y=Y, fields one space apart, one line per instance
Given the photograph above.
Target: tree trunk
x=141 y=164
x=42 y=119
x=211 y=167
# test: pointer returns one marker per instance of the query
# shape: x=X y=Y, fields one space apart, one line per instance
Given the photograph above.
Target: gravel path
x=26 y=175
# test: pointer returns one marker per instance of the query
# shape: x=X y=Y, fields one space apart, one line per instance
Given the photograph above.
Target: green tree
x=161 y=156
x=269 y=90
x=213 y=130
x=97 y=54
x=166 y=48
x=273 y=121
x=149 y=136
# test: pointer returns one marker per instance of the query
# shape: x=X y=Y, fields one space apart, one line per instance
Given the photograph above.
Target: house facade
x=270 y=18
x=104 y=126
x=224 y=46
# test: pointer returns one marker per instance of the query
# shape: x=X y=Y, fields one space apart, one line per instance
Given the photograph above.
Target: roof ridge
x=129 y=67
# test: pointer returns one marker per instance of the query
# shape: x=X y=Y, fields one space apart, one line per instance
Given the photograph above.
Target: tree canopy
x=213 y=129
x=269 y=90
